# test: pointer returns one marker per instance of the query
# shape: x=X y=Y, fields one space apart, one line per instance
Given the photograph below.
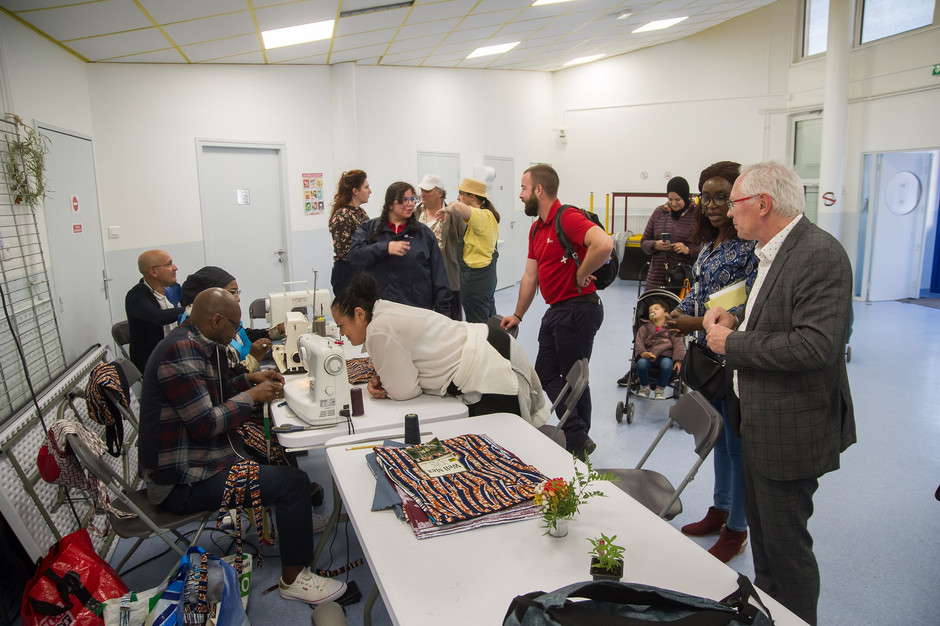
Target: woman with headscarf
x=347 y=214
x=478 y=261
x=725 y=260
x=250 y=346
x=402 y=254
x=668 y=235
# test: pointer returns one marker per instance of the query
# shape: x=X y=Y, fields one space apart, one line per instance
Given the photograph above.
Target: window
x=815 y=26
x=883 y=18
x=27 y=301
x=807 y=150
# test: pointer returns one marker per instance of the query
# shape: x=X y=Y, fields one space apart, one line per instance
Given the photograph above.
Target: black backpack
x=607 y=272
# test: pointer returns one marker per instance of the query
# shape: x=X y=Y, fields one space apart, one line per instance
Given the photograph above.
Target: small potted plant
x=561 y=499
x=606 y=558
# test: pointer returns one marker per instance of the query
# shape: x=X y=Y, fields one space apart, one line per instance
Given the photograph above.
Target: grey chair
x=696 y=416
x=256 y=310
x=121 y=333
x=575 y=382
x=328 y=614
x=151 y=521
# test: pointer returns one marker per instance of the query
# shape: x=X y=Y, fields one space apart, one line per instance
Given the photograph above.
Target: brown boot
x=712 y=524
x=729 y=545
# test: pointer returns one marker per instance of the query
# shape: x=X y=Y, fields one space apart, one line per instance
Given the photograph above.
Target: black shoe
x=586 y=448
x=625 y=381
x=316 y=494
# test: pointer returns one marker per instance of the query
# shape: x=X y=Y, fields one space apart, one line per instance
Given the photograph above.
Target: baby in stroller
x=656 y=346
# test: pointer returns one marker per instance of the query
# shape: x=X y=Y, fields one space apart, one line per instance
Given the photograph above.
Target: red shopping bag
x=70 y=584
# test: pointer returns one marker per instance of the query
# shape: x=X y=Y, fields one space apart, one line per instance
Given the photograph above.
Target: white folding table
x=471 y=577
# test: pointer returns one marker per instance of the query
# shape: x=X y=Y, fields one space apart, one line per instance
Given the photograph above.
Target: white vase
x=560 y=529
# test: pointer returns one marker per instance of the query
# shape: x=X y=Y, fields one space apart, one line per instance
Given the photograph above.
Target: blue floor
x=876 y=524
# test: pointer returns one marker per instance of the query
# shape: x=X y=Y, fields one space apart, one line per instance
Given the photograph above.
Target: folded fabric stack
x=459 y=484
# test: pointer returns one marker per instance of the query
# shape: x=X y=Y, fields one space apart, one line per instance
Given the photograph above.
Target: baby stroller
x=640 y=313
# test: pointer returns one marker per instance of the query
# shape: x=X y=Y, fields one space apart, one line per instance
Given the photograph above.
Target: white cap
x=430 y=181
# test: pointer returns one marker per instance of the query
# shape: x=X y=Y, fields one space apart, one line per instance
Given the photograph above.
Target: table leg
x=367 y=607
x=336 y=516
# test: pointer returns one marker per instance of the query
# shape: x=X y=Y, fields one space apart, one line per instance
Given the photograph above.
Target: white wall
x=728 y=93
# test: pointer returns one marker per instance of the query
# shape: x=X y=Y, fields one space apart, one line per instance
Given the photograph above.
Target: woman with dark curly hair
x=347 y=214
x=402 y=254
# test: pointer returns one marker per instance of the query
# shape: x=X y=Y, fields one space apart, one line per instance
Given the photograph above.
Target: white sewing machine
x=279 y=303
x=319 y=398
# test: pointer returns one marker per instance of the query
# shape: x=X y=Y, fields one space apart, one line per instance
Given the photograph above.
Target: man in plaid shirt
x=190 y=410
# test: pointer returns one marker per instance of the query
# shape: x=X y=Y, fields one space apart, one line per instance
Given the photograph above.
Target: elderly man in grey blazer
x=787 y=352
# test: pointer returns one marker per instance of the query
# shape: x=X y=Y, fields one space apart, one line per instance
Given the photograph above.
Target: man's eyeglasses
x=731 y=202
x=409 y=199
x=167 y=264
x=705 y=200
x=235 y=325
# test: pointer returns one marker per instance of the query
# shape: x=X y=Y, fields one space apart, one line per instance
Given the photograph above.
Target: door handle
x=280 y=252
x=106 y=279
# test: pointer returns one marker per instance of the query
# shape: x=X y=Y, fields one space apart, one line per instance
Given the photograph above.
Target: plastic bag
x=70 y=584
x=206 y=589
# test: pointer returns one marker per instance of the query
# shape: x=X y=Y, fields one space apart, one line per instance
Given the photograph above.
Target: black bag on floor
x=628 y=604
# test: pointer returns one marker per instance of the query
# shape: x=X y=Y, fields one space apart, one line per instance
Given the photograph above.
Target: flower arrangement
x=606 y=555
x=561 y=499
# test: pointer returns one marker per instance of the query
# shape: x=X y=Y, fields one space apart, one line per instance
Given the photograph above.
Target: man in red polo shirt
x=575 y=311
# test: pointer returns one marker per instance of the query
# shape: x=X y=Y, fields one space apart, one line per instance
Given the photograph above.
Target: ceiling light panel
x=491 y=49
x=294 y=35
x=660 y=24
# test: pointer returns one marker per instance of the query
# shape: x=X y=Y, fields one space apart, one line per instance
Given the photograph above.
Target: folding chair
x=256 y=310
x=697 y=417
x=121 y=333
x=575 y=382
x=150 y=521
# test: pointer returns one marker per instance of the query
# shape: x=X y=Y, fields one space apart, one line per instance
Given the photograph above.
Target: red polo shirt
x=557 y=278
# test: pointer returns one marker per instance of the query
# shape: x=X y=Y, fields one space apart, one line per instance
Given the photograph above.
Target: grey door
x=76 y=252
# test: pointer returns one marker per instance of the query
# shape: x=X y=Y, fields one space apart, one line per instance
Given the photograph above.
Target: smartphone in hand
x=667 y=237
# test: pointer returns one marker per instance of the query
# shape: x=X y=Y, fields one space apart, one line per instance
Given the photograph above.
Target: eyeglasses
x=234 y=292
x=235 y=325
x=705 y=200
x=409 y=200
x=731 y=202
x=167 y=264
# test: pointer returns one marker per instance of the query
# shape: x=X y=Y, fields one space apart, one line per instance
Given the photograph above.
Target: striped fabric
x=495 y=480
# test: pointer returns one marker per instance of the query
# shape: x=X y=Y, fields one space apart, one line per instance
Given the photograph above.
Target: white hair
x=778 y=181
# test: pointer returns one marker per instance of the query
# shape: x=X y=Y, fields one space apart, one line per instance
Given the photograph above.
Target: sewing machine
x=279 y=303
x=319 y=398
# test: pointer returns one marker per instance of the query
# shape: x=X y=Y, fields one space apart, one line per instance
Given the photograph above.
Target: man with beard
x=575 y=311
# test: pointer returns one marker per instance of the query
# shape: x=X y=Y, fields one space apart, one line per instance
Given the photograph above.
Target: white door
x=504 y=195
x=76 y=252
x=901 y=184
x=243 y=216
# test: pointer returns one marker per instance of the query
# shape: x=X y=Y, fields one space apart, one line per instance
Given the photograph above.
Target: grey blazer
x=795 y=405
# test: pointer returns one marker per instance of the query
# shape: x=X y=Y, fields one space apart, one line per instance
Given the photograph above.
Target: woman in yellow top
x=478 y=262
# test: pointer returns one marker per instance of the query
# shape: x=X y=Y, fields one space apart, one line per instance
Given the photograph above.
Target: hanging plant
x=24 y=163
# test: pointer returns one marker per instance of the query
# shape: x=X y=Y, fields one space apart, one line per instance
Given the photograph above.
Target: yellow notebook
x=731 y=296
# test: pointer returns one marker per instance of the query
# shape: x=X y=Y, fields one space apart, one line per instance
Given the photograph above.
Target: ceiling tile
x=194 y=31
x=166 y=11
x=170 y=55
x=120 y=44
x=383 y=37
x=86 y=20
x=250 y=58
x=229 y=46
x=301 y=50
x=356 y=53
x=15 y=6
x=294 y=14
x=370 y=21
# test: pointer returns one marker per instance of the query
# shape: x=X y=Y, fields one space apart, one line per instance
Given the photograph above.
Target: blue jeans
x=665 y=371
x=565 y=336
x=729 y=473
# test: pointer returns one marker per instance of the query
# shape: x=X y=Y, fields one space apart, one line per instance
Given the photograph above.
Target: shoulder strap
x=562 y=237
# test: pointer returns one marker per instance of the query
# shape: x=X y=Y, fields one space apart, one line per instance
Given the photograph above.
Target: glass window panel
x=815 y=26
x=811 y=193
x=883 y=18
x=807 y=148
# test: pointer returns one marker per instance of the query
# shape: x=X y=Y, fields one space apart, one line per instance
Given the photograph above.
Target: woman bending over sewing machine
x=417 y=351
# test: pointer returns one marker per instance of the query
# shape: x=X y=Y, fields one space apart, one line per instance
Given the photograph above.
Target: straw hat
x=475 y=187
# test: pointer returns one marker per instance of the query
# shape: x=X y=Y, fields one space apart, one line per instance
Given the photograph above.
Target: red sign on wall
x=76 y=229
x=75 y=204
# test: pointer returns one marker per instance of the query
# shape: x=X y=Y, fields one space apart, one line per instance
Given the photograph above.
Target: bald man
x=150 y=314
x=190 y=409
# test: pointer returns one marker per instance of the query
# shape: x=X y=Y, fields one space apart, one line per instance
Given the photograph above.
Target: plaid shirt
x=187 y=425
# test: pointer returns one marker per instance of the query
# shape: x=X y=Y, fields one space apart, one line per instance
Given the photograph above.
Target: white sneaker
x=310 y=588
x=643 y=392
x=319 y=522
x=660 y=395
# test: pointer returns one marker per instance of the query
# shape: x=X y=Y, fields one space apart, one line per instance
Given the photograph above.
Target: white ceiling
x=430 y=33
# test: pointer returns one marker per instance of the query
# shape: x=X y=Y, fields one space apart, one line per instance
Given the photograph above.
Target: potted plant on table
x=606 y=558
x=561 y=499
